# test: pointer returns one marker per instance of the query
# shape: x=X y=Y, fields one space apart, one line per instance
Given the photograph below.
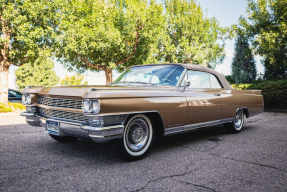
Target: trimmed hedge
x=11 y=107
x=274 y=91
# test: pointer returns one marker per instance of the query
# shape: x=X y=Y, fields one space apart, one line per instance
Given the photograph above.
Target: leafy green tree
x=39 y=73
x=189 y=36
x=107 y=34
x=74 y=80
x=267 y=25
x=26 y=28
x=243 y=64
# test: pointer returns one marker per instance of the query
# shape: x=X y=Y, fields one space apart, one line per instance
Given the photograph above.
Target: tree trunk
x=109 y=76
x=4 y=73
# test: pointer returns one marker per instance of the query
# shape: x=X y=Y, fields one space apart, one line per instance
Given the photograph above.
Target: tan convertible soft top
x=220 y=76
x=193 y=67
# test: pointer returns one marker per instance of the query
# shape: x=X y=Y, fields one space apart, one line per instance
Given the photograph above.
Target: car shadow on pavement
x=104 y=152
x=90 y=152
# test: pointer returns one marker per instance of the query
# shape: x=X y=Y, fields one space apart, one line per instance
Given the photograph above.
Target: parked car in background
x=146 y=102
x=14 y=96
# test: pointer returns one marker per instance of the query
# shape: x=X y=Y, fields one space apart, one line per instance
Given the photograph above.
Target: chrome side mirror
x=185 y=85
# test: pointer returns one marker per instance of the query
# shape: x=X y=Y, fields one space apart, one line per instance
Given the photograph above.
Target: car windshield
x=152 y=74
x=12 y=93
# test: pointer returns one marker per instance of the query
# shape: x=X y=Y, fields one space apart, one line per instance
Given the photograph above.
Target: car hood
x=90 y=92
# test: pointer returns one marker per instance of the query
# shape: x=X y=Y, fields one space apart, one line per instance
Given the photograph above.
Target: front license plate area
x=53 y=127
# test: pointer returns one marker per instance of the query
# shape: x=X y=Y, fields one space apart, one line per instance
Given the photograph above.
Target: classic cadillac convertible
x=144 y=103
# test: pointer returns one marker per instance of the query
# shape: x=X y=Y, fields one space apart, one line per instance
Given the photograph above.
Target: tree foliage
x=74 y=80
x=243 y=64
x=39 y=73
x=190 y=37
x=107 y=34
x=115 y=34
x=26 y=33
x=267 y=26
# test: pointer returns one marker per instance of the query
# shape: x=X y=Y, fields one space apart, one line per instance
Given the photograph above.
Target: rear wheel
x=237 y=123
x=137 y=139
x=64 y=139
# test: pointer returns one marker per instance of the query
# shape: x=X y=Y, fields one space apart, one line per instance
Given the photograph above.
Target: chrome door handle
x=217 y=94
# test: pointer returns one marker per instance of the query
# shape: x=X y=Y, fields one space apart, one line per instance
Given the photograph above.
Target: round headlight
x=86 y=106
x=28 y=99
x=24 y=99
x=95 y=106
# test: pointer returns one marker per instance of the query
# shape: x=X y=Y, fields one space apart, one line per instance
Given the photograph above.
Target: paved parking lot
x=204 y=160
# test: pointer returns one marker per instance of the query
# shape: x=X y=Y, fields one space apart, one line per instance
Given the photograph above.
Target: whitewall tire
x=137 y=139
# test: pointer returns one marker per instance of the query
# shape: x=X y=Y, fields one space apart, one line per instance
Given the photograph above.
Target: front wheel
x=137 y=139
x=237 y=123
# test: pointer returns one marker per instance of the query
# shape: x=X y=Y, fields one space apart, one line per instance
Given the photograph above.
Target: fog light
x=96 y=121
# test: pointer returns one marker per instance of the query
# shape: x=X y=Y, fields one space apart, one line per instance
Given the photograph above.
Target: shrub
x=273 y=91
x=4 y=108
x=11 y=107
x=17 y=106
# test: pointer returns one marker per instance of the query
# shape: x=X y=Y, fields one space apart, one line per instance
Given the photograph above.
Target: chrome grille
x=64 y=103
x=63 y=115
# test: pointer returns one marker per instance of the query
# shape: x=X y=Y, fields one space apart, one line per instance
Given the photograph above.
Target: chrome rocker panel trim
x=186 y=128
x=97 y=134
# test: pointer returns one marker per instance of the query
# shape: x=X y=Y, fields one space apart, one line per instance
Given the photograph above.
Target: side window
x=10 y=94
x=198 y=79
x=214 y=82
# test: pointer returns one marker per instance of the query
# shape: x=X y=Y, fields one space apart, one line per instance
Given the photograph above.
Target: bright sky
x=226 y=11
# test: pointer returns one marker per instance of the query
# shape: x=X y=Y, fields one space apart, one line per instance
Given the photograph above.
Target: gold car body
x=176 y=108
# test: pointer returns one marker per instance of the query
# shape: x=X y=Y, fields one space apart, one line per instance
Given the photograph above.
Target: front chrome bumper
x=97 y=134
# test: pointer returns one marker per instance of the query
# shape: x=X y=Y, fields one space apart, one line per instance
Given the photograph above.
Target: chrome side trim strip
x=253 y=114
x=111 y=114
x=101 y=128
x=190 y=127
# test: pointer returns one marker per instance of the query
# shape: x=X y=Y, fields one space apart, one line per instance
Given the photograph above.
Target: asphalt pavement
x=205 y=160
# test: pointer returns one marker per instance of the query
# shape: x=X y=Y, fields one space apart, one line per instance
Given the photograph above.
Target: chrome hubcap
x=238 y=119
x=137 y=134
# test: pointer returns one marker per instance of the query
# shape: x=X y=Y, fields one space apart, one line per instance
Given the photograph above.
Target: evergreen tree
x=39 y=73
x=243 y=64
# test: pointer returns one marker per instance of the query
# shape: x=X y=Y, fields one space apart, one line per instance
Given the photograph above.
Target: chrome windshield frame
x=181 y=77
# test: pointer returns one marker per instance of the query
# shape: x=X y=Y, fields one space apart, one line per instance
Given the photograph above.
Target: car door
x=203 y=99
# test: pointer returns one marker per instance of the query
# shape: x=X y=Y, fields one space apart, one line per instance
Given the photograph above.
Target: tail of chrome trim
x=180 y=129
